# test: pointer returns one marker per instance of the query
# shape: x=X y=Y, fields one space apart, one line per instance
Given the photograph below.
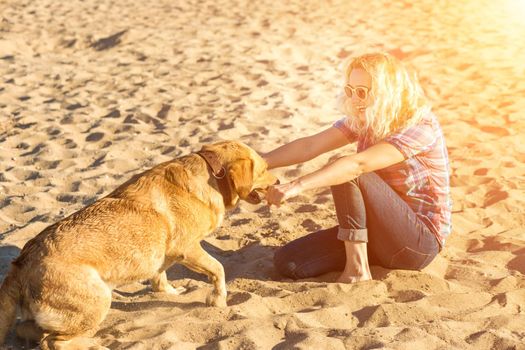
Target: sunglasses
x=360 y=91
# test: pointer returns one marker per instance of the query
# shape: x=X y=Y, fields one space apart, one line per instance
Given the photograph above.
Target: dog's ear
x=241 y=174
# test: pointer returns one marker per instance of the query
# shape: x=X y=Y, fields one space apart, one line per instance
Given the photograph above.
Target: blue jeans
x=368 y=210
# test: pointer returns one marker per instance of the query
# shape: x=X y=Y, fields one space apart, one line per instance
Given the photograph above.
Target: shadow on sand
x=253 y=261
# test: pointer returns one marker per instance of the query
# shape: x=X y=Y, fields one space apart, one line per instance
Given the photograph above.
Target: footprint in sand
x=241 y=222
x=236 y=298
x=96 y=136
x=52 y=131
x=113 y=114
x=491 y=339
x=494 y=196
x=67 y=198
x=504 y=284
x=74 y=187
x=493 y=243
x=496 y=130
x=108 y=42
x=466 y=180
x=98 y=161
x=165 y=150
x=35 y=150
x=206 y=139
x=310 y=225
x=67 y=120
x=406 y=296
x=307 y=208
x=481 y=171
x=226 y=125
x=23 y=145
x=518 y=263
x=25 y=175
x=271 y=226
x=70 y=144
x=322 y=199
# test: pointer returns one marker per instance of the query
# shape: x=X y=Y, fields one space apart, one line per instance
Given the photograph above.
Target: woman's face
x=358 y=91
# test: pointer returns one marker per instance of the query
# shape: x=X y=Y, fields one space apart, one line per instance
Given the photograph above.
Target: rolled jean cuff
x=350 y=234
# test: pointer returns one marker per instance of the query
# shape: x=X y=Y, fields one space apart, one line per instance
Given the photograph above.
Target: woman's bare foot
x=346 y=278
x=357 y=268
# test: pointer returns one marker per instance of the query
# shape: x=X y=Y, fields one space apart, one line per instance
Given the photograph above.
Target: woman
x=391 y=198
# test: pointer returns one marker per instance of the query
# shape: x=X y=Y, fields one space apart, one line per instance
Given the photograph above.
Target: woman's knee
x=344 y=187
x=354 y=185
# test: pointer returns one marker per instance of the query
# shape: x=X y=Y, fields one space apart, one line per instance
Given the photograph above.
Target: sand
x=93 y=92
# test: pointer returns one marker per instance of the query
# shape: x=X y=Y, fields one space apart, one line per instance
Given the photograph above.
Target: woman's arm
x=339 y=171
x=306 y=148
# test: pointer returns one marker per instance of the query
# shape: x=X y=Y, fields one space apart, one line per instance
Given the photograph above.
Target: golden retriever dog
x=63 y=279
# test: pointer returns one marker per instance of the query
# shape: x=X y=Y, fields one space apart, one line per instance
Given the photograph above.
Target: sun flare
x=516 y=9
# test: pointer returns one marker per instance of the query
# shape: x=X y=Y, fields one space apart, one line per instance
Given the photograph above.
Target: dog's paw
x=216 y=300
x=160 y=284
x=175 y=291
x=169 y=289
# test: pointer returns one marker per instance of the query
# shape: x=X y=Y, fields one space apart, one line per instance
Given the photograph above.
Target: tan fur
x=64 y=276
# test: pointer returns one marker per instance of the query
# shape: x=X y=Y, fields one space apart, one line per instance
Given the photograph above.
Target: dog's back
x=64 y=276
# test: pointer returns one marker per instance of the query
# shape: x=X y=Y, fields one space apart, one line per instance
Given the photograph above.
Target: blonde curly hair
x=398 y=99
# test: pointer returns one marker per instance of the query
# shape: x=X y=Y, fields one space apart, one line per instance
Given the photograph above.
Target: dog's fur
x=63 y=278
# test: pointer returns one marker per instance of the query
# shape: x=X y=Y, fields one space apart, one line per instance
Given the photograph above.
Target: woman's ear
x=241 y=174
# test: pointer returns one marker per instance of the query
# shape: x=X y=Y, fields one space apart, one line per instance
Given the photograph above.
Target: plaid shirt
x=422 y=179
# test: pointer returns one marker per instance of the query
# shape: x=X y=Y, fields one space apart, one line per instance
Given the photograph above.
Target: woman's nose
x=356 y=100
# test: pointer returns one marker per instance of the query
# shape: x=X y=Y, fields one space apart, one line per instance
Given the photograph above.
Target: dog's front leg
x=160 y=283
x=200 y=261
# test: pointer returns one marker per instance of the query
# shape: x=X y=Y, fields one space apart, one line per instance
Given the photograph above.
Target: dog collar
x=219 y=173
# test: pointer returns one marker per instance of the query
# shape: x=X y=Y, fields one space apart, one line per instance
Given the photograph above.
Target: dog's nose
x=277 y=182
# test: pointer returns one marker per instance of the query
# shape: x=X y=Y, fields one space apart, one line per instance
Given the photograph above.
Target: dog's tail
x=9 y=296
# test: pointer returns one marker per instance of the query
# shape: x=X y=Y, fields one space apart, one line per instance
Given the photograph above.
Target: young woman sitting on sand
x=391 y=197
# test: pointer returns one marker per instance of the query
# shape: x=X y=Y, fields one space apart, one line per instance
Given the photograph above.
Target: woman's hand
x=276 y=194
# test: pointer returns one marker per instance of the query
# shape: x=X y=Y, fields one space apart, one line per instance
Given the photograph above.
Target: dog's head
x=246 y=171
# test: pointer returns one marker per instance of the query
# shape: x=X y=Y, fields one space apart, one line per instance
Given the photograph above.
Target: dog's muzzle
x=257 y=194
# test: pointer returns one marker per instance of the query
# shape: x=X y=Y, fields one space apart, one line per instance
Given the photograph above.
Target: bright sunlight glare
x=516 y=8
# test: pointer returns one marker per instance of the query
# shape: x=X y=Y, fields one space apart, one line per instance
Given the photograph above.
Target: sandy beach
x=93 y=92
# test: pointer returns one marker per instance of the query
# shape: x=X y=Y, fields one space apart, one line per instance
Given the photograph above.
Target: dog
x=63 y=278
